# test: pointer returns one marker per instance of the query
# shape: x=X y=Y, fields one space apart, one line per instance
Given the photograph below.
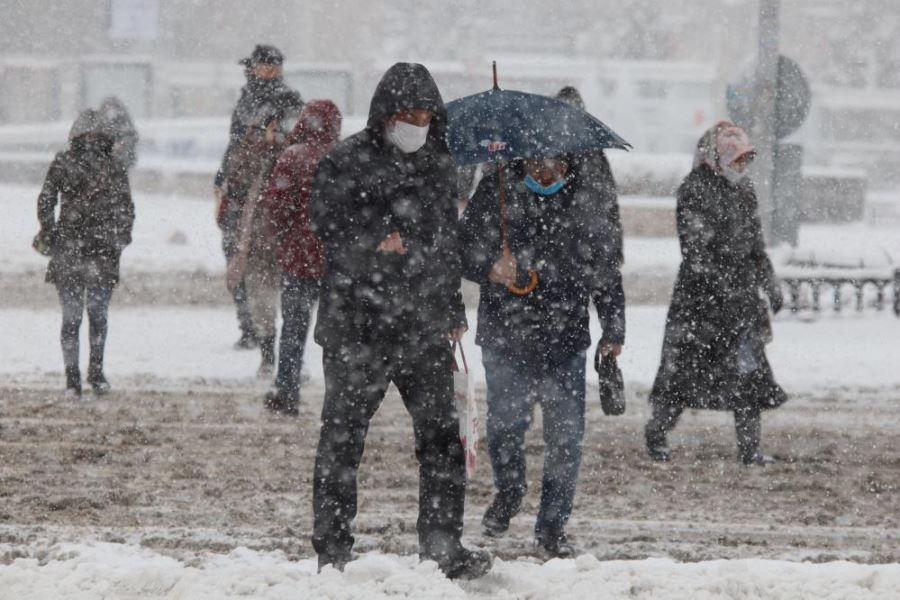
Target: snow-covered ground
x=170 y=364
x=89 y=571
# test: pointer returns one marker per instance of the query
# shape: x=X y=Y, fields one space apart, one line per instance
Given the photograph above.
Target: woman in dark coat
x=86 y=241
x=714 y=348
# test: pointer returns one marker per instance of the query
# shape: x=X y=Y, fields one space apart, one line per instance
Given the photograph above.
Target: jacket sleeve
x=47 y=199
x=280 y=201
x=697 y=237
x=123 y=214
x=609 y=299
x=340 y=212
x=479 y=233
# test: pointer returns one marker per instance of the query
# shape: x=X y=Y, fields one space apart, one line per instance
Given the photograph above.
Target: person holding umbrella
x=713 y=353
x=533 y=345
x=384 y=206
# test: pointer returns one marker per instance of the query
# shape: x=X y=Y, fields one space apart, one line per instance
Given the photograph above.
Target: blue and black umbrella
x=503 y=125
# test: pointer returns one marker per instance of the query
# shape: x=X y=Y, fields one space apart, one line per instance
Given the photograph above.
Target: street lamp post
x=764 y=124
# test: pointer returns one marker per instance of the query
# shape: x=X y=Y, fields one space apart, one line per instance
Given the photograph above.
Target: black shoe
x=554 y=544
x=496 y=518
x=277 y=403
x=757 y=459
x=98 y=382
x=247 y=341
x=73 y=383
x=337 y=561
x=467 y=564
x=656 y=446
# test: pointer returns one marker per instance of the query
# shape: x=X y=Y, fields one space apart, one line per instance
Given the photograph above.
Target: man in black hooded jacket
x=384 y=206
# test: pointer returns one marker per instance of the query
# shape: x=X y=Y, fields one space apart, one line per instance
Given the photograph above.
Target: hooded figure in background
x=254 y=264
x=265 y=87
x=534 y=345
x=118 y=124
x=286 y=205
x=713 y=352
x=85 y=243
x=384 y=205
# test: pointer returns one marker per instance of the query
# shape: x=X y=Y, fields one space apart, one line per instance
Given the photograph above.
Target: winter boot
x=748 y=426
x=657 y=447
x=554 y=544
x=496 y=518
x=247 y=341
x=466 y=564
x=267 y=349
x=73 y=383
x=95 y=374
x=338 y=560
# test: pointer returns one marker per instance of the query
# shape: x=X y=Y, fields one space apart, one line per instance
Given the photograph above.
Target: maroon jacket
x=287 y=198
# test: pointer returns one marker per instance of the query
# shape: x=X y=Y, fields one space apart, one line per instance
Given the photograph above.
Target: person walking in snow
x=265 y=86
x=713 y=353
x=533 y=345
x=286 y=205
x=254 y=263
x=85 y=242
x=384 y=205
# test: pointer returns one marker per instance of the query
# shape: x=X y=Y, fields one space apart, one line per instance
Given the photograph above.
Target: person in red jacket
x=299 y=250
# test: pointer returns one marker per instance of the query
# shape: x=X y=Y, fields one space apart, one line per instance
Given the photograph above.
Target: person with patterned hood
x=384 y=204
x=86 y=240
x=713 y=353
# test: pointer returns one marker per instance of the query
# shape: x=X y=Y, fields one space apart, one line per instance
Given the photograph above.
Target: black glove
x=776 y=296
x=43 y=242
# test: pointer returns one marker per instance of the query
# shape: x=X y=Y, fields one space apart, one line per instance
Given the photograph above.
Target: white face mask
x=733 y=175
x=406 y=136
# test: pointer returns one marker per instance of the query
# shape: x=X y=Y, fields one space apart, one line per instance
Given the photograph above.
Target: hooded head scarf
x=722 y=145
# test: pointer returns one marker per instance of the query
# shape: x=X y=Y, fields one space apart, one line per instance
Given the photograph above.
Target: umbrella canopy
x=501 y=125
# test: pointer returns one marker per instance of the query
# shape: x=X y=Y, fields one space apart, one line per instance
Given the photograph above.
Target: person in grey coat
x=713 y=352
x=85 y=242
x=120 y=127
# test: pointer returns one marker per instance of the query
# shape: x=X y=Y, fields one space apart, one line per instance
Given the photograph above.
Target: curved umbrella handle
x=524 y=291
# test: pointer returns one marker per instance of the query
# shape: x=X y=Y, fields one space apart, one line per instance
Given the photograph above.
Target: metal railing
x=807 y=291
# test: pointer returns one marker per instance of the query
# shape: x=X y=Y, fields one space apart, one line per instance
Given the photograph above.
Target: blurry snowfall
x=189 y=347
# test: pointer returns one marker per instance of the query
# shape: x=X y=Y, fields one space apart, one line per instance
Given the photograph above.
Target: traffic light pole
x=763 y=134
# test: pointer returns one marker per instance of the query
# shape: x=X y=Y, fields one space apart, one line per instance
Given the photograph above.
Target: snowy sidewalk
x=193 y=346
x=94 y=571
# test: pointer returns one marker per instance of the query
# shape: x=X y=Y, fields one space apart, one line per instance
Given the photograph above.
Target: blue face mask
x=532 y=184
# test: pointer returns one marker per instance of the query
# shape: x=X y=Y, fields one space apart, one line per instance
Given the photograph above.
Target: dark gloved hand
x=43 y=243
x=776 y=296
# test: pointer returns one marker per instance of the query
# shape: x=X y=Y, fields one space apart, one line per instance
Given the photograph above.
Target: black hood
x=407 y=86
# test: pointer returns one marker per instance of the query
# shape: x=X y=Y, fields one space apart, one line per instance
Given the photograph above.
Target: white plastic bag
x=464 y=393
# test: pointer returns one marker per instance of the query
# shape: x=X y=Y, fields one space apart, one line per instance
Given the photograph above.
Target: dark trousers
x=512 y=390
x=230 y=239
x=73 y=299
x=298 y=295
x=747 y=425
x=356 y=379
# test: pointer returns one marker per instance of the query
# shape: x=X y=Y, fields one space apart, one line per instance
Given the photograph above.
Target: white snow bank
x=100 y=570
x=192 y=345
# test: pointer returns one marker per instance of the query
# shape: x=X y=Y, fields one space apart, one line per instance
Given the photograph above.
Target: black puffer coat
x=365 y=189
x=566 y=240
x=717 y=312
x=96 y=211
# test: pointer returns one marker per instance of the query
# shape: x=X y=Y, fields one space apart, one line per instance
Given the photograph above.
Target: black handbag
x=612 y=386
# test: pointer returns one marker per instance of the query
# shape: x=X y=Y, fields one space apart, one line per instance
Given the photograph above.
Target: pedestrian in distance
x=713 y=353
x=534 y=342
x=384 y=205
x=265 y=86
x=299 y=251
x=85 y=241
x=255 y=263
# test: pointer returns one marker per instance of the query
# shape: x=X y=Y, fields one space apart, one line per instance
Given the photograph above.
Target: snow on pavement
x=103 y=570
x=186 y=343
